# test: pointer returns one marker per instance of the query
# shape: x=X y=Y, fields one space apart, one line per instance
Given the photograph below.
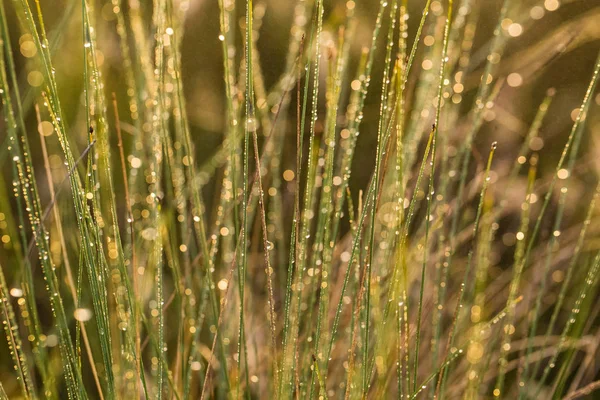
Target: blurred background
x=554 y=44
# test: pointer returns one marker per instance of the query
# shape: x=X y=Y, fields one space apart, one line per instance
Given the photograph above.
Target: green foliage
x=366 y=226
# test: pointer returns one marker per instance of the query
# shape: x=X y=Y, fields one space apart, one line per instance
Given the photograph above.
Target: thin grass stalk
x=518 y=267
x=267 y=248
x=72 y=286
x=319 y=245
x=588 y=284
x=15 y=343
x=486 y=178
x=450 y=357
x=39 y=351
x=431 y=189
x=249 y=126
x=483 y=95
x=198 y=221
x=353 y=131
x=301 y=229
x=383 y=111
x=29 y=191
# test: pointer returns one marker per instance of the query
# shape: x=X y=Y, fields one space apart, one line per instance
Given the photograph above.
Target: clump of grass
x=388 y=216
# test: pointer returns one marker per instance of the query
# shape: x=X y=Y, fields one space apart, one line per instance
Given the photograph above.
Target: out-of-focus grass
x=307 y=199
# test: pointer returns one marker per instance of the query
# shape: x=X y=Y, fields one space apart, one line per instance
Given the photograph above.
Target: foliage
x=393 y=220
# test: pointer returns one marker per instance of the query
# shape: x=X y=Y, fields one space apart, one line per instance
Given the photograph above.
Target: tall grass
x=405 y=209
